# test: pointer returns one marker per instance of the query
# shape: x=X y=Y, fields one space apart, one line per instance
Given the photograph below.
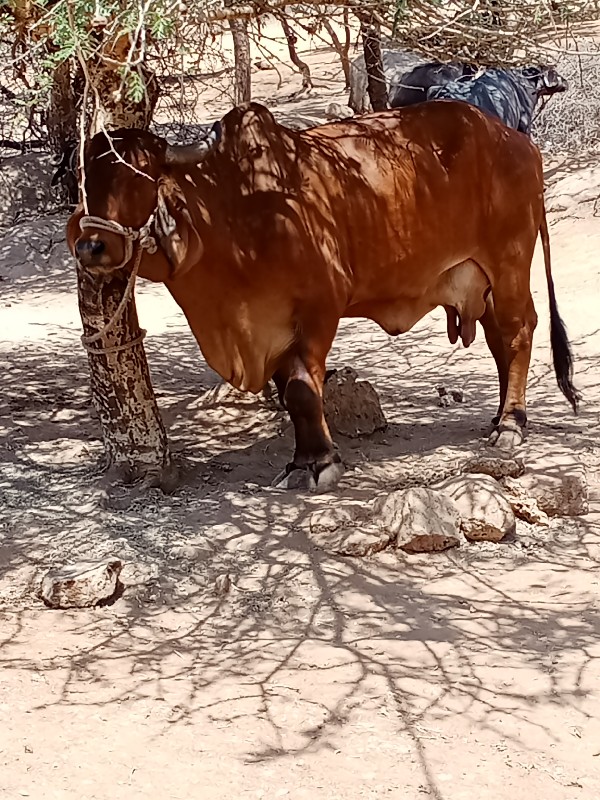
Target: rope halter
x=147 y=242
x=142 y=235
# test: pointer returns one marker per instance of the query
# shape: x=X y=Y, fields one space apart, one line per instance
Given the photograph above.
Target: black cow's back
x=502 y=93
x=413 y=86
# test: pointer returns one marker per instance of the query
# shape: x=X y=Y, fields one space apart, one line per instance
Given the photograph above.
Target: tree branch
x=252 y=10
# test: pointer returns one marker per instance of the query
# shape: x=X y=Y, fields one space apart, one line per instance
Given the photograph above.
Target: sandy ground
x=474 y=673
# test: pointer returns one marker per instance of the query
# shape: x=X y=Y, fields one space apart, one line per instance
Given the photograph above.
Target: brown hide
x=280 y=233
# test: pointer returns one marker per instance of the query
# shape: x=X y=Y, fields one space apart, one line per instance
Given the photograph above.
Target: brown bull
x=266 y=237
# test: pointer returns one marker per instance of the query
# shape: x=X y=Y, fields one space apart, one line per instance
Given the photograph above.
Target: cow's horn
x=194 y=153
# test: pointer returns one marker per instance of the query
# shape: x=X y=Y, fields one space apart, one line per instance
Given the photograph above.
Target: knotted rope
x=146 y=241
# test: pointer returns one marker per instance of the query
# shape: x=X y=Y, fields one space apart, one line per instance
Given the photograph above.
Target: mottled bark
x=241 y=53
x=134 y=436
x=376 y=86
x=61 y=121
x=117 y=109
x=132 y=429
x=62 y=113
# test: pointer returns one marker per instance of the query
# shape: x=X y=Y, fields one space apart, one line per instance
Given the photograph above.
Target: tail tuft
x=562 y=355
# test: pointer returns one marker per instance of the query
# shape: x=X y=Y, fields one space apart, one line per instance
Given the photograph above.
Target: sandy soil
x=473 y=673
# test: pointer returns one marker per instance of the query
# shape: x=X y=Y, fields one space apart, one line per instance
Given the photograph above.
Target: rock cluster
x=481 y=504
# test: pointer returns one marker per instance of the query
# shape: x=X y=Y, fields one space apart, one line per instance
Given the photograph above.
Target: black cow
x=510 y=95
x=412 y=87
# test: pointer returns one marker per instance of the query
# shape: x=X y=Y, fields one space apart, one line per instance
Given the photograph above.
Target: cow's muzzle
x=92 y=252
x=88 y=251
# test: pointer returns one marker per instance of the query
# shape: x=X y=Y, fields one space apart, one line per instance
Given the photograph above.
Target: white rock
x=345 y=530
x=526 y=508
x=485 y=511
x=81 y=585
x=448 y=397
x=336 y=111
x=192 y=551
x=420 y=520
x=262 y=64
x=557 y=493
x=496 y=466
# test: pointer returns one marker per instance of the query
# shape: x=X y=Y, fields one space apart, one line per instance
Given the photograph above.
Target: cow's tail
x=561 y=349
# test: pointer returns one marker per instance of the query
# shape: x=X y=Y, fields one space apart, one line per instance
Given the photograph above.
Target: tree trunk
x=241 y=52
x=117 y=110
x=135 y=439
x=296 y=61
x=61 y=121
x=343 y=50
x=62 y=113
x=376 y=87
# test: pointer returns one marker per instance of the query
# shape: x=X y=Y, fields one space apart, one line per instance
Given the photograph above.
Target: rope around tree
x=110 y=325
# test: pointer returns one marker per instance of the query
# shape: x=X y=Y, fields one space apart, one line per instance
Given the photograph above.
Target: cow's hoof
x=295 y=478
x=311 y=478
x=329 y=476
x=506 y=439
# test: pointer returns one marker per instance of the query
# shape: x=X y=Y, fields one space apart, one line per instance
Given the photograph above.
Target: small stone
x=358 y=542
x=191 y=551
x=429 y=543
x=527 y=509
x=486 y=513
x=420 y=520
x=495 y=466
x=557 y=494
x=222 y=585
x=344 y=530
x=447 y=397
x=81 y=585
x=325 y=520
x=352 y=407
x=335 y=111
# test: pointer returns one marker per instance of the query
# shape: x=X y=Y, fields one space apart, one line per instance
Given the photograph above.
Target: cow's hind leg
x=493 y=337
x=516 y=321
x=316 y=463
x=280 y=381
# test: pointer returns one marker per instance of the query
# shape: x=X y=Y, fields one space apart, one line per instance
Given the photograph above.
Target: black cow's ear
x=177 y=235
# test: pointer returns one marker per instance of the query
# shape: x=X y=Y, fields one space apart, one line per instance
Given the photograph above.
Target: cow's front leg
x=316 y=463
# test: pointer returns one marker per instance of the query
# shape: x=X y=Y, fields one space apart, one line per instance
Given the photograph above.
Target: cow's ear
x=176 y=232
x=73 y=230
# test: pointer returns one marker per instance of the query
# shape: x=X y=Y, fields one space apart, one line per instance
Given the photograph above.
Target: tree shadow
x=307 y=645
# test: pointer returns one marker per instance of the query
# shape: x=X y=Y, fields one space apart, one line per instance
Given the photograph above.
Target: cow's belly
x=243 y=350
x=462 y=288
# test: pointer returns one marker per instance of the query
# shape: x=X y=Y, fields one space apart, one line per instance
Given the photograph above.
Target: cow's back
x=334 y=197
x=417 y=190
